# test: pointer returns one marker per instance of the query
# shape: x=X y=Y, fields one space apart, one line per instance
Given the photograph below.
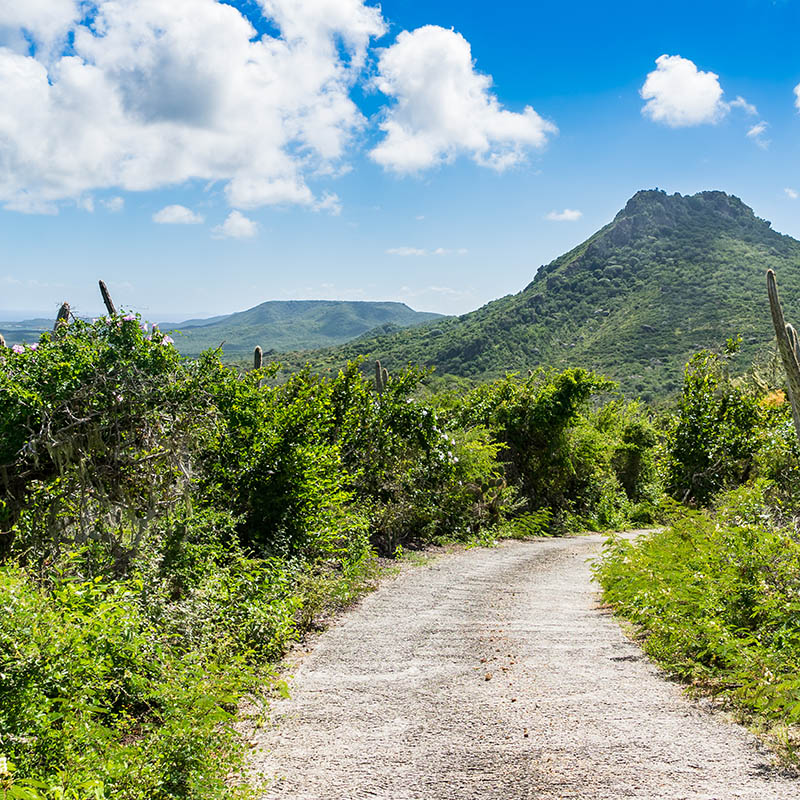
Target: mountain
x=293 y=324
x=275 y=325
x=26 y=330
x=669 y=275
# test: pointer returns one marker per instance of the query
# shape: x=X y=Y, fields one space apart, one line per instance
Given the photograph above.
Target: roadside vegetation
x=715 y=595
x=169 y=526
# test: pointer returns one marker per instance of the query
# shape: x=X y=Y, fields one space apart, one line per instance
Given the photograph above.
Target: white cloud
x=177 y=215
x=748 y=108
x=679 y=95
x=236 y=226
x=756 y=133
x=329 y=202
x=567 y=215
x=114 y=204
x=406 y=251
x=158 y=93
x=444 y=108
x=444 y=251
x=791 y=193
x=416 y=251
x=46 y=22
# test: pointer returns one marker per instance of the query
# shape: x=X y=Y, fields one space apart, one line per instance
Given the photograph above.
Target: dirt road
x=494 y=674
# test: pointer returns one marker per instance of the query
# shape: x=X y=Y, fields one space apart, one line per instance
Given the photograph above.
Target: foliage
x=716 y=600
x=586 y=468
x=716 y=432
x=138 y=605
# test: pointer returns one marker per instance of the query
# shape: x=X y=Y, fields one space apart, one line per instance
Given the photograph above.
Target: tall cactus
x=258 y=358
x=62 y=318
x=109 y=303
x=789 y=348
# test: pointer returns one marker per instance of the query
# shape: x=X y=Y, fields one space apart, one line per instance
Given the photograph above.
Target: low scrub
x=169 y=526
x=715 y=599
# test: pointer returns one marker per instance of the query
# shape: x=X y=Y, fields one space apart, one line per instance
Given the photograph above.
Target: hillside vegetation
x=292 y=324
x=668 y=276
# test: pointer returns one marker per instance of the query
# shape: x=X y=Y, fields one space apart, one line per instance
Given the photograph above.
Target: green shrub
x=588 y=468
x=172 y=525
x=717 y=602
x=90 y=694
x=716 y=432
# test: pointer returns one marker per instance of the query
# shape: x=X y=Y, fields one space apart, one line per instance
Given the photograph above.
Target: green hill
x=278 y=325
x=292 y=324
x=668 y=276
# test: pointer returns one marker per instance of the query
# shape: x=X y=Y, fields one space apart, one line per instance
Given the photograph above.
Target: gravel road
x=494 y=674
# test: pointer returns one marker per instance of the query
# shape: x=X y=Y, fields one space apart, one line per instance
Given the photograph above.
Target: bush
x=716 y=432
x=716 y=601
x=587 y=468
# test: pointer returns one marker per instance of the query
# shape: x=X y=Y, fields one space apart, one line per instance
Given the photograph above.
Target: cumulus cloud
x=236 y=226
x=567 y=215
x=177 y=215
x=679 y=95
x=792 y=194
x=443 y=108
x=46 y=22
x=152 y=93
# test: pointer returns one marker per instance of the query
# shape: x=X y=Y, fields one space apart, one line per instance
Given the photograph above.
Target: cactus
x=62 y=318
x=107 y=299
x=258 y=358
x=380 y=382
x=788 y=347
x=385 y=377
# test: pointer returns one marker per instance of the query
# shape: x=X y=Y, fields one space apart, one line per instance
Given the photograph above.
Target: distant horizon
x=177 y=317
x=24 y=315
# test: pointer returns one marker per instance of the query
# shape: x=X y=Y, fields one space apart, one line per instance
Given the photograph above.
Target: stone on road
x=495 y=674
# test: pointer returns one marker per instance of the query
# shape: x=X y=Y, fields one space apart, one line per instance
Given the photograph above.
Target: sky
x=203 y=157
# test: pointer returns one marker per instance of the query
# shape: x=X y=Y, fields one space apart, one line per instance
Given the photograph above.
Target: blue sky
x=435 y=153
